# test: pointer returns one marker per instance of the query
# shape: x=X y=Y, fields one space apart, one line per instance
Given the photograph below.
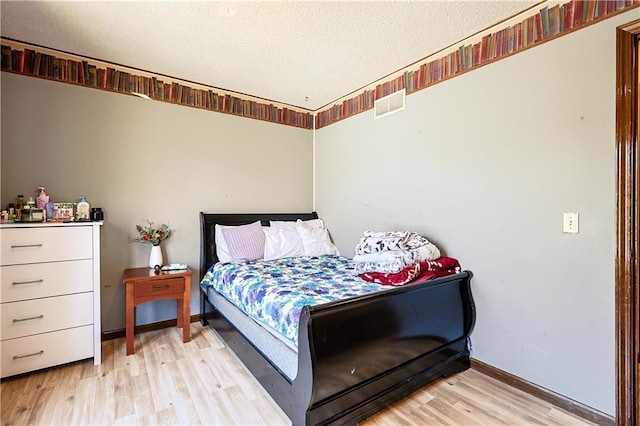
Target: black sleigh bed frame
x=358 y=356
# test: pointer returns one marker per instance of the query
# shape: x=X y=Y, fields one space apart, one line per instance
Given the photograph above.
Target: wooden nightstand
x=144 y=285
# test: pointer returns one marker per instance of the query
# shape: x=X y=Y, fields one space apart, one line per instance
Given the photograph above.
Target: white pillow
x=314 y=223
x=316 y=241
x=222 y=249
x=282 y=242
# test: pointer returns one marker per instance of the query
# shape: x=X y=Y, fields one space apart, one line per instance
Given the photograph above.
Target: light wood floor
x=201 y=382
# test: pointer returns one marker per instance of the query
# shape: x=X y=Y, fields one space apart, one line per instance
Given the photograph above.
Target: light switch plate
x=570 y=223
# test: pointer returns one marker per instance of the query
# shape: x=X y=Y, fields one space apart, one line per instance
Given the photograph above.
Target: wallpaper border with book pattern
x=553 y=20
x=549 y=23
x=34 y=61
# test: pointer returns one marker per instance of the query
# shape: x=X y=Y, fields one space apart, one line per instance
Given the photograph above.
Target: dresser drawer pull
x=26 y=245
x=40 y=352
x=160 y=287
x=27 y=282
x=28 y=319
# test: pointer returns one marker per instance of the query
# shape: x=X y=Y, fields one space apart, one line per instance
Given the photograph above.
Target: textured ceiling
x=302 y=53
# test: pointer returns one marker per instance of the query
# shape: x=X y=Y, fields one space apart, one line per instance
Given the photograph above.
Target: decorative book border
x=49 y=64
x=550 y=22
x=553 y=20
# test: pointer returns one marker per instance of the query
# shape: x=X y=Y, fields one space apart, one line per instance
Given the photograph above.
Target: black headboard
x=208 y=221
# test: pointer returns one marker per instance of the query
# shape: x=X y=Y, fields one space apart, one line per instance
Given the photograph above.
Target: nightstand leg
x=186 y=321
x=180 y=316
x=186 y=310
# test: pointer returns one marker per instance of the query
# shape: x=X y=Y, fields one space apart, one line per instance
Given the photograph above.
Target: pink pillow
x=245 y=242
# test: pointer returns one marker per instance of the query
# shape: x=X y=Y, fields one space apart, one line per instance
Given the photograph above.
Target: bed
x=354 y=357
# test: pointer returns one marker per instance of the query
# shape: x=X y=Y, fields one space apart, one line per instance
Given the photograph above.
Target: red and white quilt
x=417 y=272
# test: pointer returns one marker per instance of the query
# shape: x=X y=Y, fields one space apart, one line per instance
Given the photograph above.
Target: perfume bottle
x=42 y=199
x=83 y=209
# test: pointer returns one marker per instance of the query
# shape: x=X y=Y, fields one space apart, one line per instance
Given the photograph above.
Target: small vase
x=155 y=257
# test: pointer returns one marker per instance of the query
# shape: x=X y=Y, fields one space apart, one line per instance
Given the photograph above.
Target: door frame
x=627 y=290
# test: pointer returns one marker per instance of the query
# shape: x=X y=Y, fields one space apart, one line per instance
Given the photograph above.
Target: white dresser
x=49 y=295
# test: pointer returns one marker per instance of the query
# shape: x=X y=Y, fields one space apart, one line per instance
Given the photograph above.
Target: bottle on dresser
x=83 y=209
x=31 y=204
x=19 y=201
x=42 y=199
x=11 y=208
x=19 y=205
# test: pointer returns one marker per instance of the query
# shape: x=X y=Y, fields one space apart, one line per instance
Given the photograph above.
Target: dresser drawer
x=23 y=282
x=159 y=287
x=35 y=316
x=45 y=350
x=42 y=244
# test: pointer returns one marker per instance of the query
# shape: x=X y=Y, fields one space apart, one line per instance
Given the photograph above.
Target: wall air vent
x=389 y=104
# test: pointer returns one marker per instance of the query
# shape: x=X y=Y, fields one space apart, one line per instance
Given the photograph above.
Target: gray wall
x=141 y=159
x=485 y=165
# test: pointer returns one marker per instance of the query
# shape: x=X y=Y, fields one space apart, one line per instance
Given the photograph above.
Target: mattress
x=281 y=355
x=263 y=299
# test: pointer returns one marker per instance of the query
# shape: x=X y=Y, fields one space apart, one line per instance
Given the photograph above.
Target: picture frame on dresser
x=50 y=295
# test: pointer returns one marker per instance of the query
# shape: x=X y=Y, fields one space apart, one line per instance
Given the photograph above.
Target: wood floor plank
x=455 y=415
x=19 y=395
x=85 y=402
x=180 y=399
x=168 y=416
x=518 y=400
x=158 y=381
x=142 y=399
x=268 y=413
x=124 y=405
x=126 y=421
x=563 y=418
x=195 y=387
x=506 y=410
x=38 y=415
x=59 y=406
x=105 y=395
x=202 y=382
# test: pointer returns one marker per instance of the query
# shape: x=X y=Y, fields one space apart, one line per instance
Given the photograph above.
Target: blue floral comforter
x=274 y=292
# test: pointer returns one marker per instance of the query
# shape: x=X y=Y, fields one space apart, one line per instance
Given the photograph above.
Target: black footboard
x=359 y=356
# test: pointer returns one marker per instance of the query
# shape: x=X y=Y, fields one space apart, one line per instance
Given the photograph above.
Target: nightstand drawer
x=29 y=317
x=159 y=287
x=38 y=280
x=33 y=245
x=45 y=350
